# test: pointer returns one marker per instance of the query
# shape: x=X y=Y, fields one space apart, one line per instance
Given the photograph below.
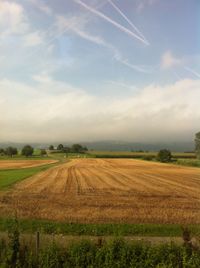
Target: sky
x=88 y=70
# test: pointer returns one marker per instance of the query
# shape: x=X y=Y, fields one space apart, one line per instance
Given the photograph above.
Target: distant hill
x=116 y=145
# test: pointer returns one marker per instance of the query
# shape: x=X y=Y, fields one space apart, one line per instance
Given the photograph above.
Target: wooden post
x=37 y=244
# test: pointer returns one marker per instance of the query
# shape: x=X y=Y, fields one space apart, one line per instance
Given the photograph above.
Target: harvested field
x=18 y=164
x=109 y=190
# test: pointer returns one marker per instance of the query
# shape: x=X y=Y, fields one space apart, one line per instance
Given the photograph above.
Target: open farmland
x=108 y=190
x=18 y=164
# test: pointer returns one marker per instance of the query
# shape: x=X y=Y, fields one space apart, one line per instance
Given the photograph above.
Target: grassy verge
x=10 y=177
x=50 y=227
x=21 y=157
x=139 y=155
x=188 y=162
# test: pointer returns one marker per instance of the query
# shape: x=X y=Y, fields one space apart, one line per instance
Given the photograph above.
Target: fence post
x=37 y=244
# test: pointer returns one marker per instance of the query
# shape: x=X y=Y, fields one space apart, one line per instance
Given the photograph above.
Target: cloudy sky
x=91 y=70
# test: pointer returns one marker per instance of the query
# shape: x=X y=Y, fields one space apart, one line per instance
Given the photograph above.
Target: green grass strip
x=10 y=177
x=51 y=227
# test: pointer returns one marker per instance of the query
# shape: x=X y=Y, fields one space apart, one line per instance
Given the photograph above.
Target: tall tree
x=197 y=144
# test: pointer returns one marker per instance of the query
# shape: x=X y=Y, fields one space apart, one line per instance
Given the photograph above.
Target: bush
x=148 y=157
x=164 y=156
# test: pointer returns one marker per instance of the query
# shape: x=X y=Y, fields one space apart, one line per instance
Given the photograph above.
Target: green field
x=9 y=177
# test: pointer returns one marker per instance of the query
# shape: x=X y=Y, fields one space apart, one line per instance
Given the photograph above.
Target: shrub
x=164 y=156
x=148 y=157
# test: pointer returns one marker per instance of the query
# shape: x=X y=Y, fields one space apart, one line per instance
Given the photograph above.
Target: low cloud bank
x=52 y=110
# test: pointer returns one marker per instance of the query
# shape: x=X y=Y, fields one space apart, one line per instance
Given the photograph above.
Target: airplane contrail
x=177 y=75
x=127 y=19
x=192 y=71
x=106 y=18
x=137 y=68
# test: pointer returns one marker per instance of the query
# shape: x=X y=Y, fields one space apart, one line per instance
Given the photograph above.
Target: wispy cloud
x=111 y=21
x=128 y=20
x=42 y=7
x=168 y=60
x=33 y=39
x=142 y=4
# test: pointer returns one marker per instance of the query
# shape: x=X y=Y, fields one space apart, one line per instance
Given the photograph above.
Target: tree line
x=28 y=150
x=163 y=155
x=75 y=148
x=10 y=151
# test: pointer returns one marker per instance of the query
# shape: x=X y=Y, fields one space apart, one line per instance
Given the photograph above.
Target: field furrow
x=108 y=190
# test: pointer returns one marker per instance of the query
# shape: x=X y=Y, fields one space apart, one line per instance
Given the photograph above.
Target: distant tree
x=77 y=148
x=2 y=151
x=197 y=144
x=43 y=152
x=66 y=149
x=60 y=147
x=51 y=147
x=164 y=156
x=10 y=151
x=27 y=150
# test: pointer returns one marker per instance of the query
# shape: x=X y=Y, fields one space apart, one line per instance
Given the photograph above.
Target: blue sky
x=99 y=70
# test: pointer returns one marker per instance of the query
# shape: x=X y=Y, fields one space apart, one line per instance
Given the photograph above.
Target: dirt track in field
x=18 y=164
x=109 y=190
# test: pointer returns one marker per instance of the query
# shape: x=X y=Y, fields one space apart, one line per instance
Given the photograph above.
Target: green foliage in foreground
x=108 y=229
x=115 y=253
x=10 y=177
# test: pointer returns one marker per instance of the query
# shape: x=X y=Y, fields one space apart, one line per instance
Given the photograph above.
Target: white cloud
x=62 y=112
x=43 y=78
x=12 y=19
x=33 y=39
x=142 y=4
x=168 y=60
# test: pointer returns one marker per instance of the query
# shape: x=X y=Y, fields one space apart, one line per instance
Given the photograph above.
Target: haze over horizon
x=80 y=70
